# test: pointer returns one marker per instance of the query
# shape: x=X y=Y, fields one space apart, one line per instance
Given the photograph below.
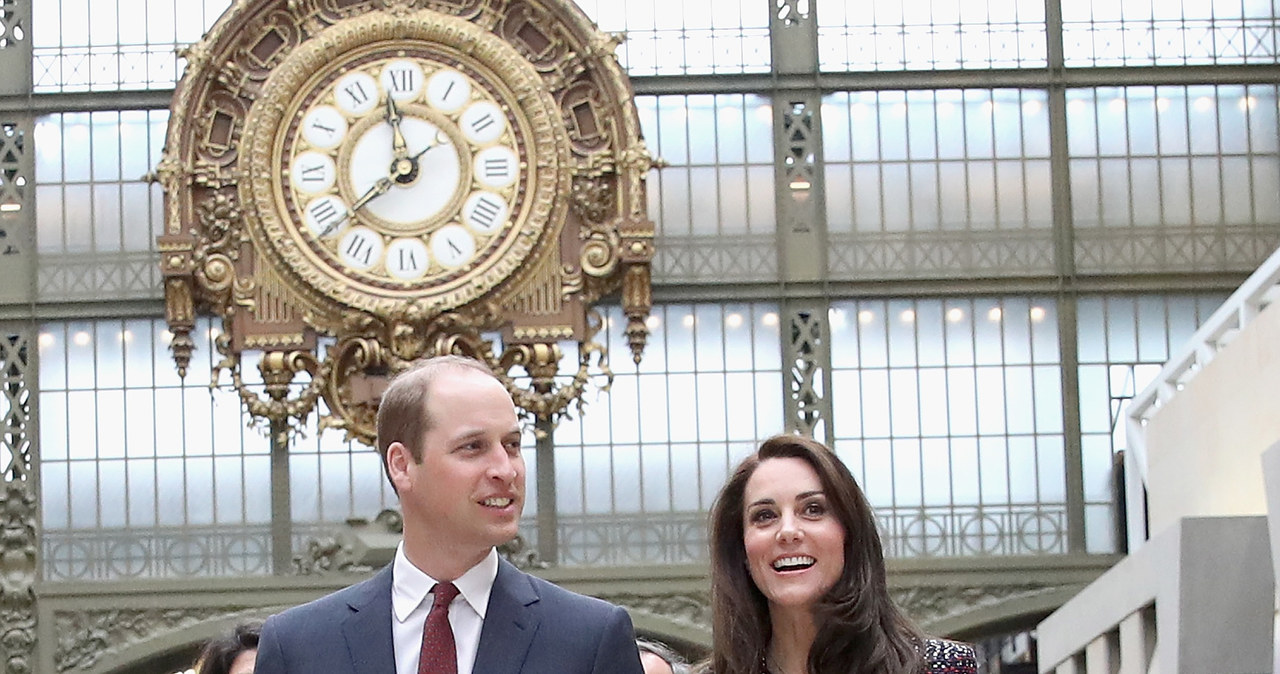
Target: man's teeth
x=795 y=562
x=497 y=502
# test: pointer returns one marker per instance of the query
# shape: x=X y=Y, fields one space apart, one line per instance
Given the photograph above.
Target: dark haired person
x=659 y=658
x=798 y=583
x=231 y=653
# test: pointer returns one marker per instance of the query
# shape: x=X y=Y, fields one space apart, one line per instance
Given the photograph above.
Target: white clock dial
x=482 y=122
x=361 y=248
x=402 y=79
x=407 y=258
x=419 y=197
x=448 y=90
x=453 y=246
x=496 y=166
x=324 y=127
x=326 y=215
x=313 y=172
x=356 y=93
x=485 y=211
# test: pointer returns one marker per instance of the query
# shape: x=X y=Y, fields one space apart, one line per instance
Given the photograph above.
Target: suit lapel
x=510 y=622
x=368 y=628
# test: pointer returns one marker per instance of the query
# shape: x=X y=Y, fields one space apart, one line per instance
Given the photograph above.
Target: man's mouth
x=498 y=501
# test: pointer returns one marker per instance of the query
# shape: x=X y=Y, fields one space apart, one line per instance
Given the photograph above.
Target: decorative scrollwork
x=593 y=198
x=232 y=245
x=219 y=216
x=278 y=370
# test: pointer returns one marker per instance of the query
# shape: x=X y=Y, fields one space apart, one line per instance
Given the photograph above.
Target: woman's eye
x=761 y=516
x=815 y=509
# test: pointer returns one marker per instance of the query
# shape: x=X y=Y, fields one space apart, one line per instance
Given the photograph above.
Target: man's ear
x=398 y=460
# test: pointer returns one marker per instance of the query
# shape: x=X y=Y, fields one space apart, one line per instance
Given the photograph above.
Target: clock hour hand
x=399 y=148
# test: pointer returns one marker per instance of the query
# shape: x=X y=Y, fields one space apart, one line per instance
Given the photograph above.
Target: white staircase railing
x=1255 y=294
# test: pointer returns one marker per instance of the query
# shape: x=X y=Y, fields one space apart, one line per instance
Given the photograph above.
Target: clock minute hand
x=379 y=188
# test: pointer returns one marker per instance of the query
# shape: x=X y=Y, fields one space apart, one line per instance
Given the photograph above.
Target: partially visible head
x=451 y=445
x=658 y=658
x=231 y=653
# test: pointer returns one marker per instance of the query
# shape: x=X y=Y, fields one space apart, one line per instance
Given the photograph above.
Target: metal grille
x=114 y=45
x=1123 y=343
x=14 y=186
x=673 y=37
x=939 y=35
x=15 y=409
x=949 y=413
x=714 y=204
x=1160 y=176
x=1106 y=33
x=12 y=30
x=938 y=183
x=96 y=217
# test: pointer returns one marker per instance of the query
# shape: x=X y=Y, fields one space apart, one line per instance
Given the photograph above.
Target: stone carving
x=690 y=608
x=17 y=516
x=84 y=637
x=931 y=604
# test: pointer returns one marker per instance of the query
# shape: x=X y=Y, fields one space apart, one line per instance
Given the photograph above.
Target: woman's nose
x=790 y=530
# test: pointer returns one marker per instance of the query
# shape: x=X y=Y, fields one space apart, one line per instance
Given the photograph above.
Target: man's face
x=468 y=492
x=654 y=664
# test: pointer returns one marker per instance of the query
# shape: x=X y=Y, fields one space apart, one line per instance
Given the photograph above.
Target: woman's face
x=793 y=540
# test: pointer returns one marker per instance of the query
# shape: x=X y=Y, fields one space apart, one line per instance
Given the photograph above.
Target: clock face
x=403 y=168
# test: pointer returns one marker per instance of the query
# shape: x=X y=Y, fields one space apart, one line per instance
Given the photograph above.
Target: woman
x=232 y=653
x=798 y=579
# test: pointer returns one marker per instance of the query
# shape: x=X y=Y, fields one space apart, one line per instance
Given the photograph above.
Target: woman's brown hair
x=859 y=629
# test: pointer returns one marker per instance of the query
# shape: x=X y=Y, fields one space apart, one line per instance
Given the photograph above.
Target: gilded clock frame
x=585 y=233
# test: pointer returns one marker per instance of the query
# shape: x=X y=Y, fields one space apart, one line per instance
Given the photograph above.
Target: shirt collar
x=410 y=586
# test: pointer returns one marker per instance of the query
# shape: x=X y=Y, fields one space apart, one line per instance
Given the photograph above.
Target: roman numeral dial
x=408 y=169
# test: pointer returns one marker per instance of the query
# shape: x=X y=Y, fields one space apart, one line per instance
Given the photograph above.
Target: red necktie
x=438 y=655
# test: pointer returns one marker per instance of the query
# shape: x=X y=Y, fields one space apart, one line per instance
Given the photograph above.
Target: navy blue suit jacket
x=531 y=627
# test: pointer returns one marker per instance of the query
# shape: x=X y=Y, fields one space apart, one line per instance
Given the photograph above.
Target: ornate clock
x=353 y=184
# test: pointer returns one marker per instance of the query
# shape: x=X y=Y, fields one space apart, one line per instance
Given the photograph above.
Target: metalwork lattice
x=808 y=344
x=12 y=30
x=15 y=407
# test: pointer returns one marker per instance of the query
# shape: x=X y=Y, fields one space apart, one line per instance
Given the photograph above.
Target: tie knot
x=444 y=594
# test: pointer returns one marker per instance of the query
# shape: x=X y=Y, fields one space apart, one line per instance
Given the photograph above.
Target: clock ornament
x=354 y=184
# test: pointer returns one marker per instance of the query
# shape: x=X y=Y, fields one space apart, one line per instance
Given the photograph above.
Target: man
x=450 y=443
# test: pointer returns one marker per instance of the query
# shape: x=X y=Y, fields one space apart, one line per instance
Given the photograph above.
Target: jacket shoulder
x=555 y=596
x=949 y=657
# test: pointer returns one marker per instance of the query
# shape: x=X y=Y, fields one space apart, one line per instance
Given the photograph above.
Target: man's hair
x=678 y=664
x=402 y=414
x=218 y=653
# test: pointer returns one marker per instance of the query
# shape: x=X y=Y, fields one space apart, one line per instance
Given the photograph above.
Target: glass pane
x=1108 y=33
x=115 y=45
x=938 y=35
x=672 y=37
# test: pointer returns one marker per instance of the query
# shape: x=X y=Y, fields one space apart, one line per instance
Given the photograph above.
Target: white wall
x=1204 y=446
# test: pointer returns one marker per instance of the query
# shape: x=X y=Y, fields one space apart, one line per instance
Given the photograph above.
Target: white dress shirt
x=411 y=602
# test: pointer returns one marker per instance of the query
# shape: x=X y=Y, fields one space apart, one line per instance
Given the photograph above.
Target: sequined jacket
x=949 y=657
